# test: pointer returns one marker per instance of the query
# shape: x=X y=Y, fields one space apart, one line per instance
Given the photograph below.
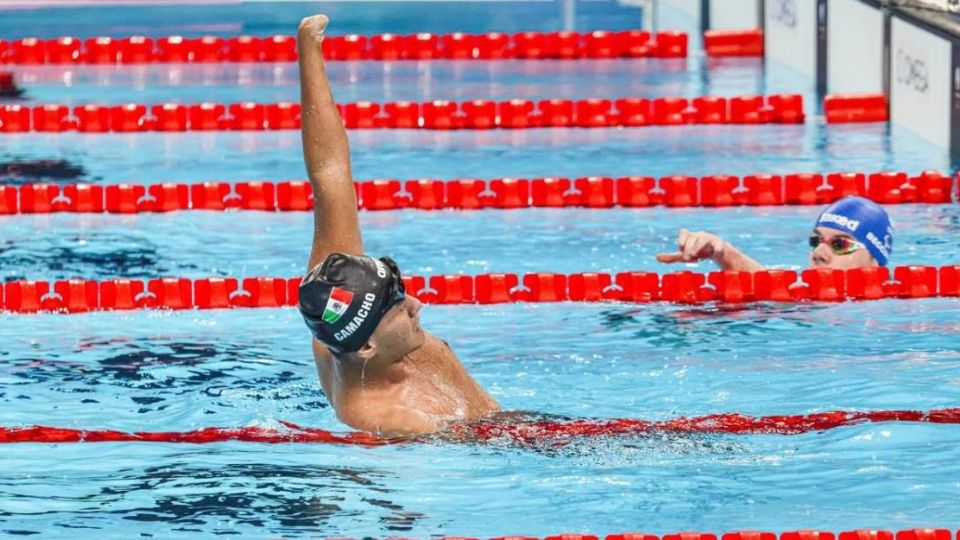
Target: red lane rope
x=483 y=431
x=46 y=434
x=437 y=114
x=733 y=42
x=281 y=48
x=857 y=534
x=501 y=193
x=824 y=285
x=841 y=108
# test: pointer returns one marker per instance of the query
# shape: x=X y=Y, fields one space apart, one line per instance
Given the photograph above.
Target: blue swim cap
x=864 y=220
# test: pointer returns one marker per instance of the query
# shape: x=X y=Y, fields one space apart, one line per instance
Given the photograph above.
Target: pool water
x=161 y=371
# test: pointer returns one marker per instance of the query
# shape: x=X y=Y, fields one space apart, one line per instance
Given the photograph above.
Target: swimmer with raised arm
x=380 y=370
x=851 y=233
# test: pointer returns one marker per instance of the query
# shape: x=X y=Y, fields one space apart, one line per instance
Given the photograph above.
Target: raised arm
x=326 y=152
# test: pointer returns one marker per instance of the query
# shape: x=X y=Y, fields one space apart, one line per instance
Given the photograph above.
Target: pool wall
x=911 y=55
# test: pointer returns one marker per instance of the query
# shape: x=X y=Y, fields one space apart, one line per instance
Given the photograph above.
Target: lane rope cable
x=684 y=287
x=485 y=431
x=597 y=44
x=595 y=192
x=432 y=115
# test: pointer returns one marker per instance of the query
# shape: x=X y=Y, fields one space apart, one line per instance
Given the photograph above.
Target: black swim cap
x=344 y=298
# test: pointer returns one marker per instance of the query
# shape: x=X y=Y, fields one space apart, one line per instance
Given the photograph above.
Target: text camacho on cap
x=343 y=299
x=863 y=219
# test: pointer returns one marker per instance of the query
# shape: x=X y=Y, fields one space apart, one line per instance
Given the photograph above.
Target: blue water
x=267 y=18
x=180 y=371
x=203 y=244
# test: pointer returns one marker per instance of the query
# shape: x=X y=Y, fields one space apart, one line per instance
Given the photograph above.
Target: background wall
x=734 y=14
x=920 y=82
x=854 y=52
x=790 y=34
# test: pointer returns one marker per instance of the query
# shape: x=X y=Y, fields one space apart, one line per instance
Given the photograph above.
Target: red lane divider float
x=484 y=431
x=857 y=534
x=503 y=193
x=733 y=42
x=437 y=115
x=839 y=108
x=282 y=48
x=823 y=285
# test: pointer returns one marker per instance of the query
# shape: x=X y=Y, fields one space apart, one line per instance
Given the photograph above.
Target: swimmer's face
x=824 y=257
x=399 y=331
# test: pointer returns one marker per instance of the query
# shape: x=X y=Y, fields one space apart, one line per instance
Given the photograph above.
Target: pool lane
x=404 y=154
x=405 y=80
x=155 y=371
x=269 y=18
x=207 y=244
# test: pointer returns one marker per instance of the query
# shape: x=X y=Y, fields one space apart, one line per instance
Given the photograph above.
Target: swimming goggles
x=840 y=245
x=397 y=291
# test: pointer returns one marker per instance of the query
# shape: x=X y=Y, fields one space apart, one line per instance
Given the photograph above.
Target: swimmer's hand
x=696 y=246
x=312 y=28
x=693 y=247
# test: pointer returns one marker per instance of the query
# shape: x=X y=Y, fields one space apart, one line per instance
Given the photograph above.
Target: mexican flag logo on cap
x=337 y=305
